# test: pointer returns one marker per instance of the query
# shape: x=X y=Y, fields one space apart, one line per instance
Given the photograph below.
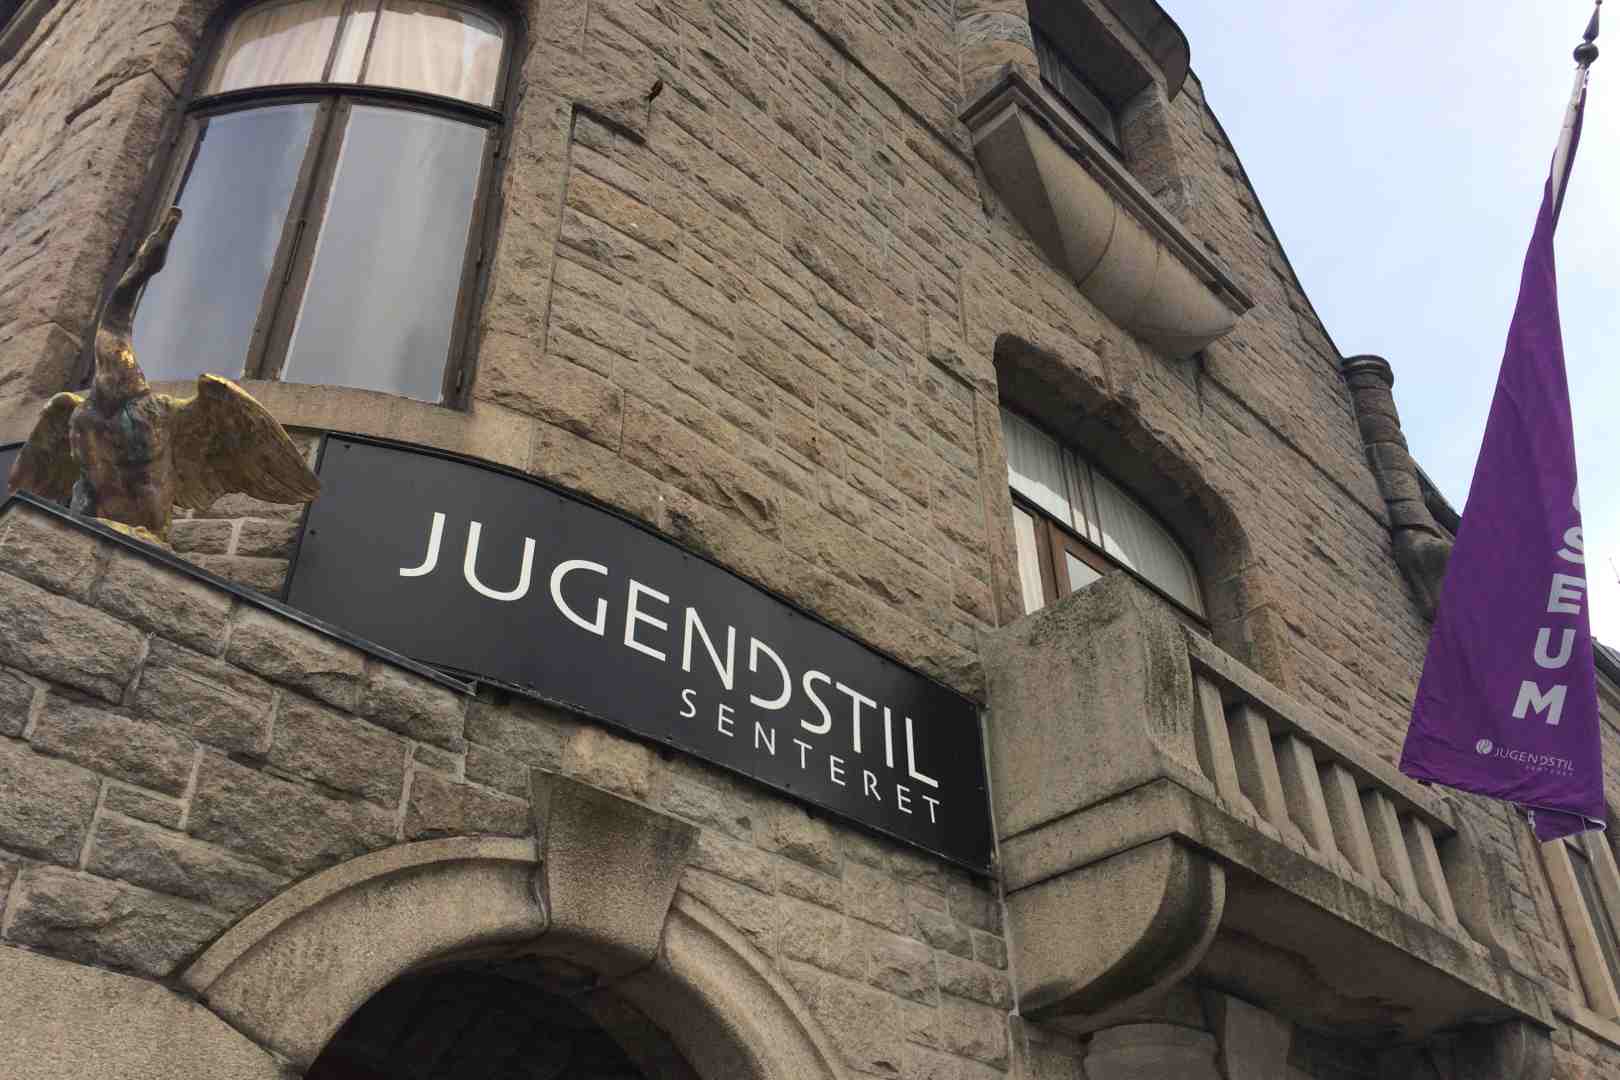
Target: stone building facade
x=768 y=277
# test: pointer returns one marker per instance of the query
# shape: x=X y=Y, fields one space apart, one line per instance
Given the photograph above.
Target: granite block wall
x=172 y=757
x=770 y=310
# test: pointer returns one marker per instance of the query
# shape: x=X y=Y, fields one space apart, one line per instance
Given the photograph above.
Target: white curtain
x=1035 y=466
x=351 y=50
x=436 y=49
x=1082 y=499
x=1052 y=477
x=417 y=45
x=1029 y=560
x=276 y=43
x=1134 y=537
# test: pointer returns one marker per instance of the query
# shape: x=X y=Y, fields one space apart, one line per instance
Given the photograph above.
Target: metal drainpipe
x=1421 y=547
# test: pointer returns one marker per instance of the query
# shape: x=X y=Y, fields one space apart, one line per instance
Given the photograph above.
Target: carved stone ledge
x=1144 y=1051
x=1149 y=915
x=1080 y=204
x=1164 y=813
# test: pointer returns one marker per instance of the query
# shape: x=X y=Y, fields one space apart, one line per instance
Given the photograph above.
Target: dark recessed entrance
x=486 y=1023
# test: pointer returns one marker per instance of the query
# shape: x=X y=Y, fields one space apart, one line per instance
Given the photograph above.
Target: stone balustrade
x=1167 y=816
x=1288 y=775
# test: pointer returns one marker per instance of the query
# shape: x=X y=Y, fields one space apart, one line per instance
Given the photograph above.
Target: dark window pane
x=198 y=314
x=1081 y=574
x=381 y=298
x=1593 y=896
x=1062 y=75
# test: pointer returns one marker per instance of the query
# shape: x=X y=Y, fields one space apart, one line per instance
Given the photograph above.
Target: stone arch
x=492 y=1017
x=292 y=972
x=1076 y=403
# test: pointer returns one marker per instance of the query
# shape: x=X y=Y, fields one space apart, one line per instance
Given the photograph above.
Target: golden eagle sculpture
x=129 y=456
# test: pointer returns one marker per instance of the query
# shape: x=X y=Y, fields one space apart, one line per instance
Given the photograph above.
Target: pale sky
x=1399 y=148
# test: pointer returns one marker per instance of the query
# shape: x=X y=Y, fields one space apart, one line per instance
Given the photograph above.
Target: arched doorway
x=490 y=1021
x=590 y=915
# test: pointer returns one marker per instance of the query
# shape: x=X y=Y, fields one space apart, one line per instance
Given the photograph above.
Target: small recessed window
x=1072 y=524
x=1063 y=75
x=334 y=172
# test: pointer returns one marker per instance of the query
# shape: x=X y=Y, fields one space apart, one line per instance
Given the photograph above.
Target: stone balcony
x=1164 y=813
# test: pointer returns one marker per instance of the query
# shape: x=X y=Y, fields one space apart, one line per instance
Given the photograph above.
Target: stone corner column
x=991 y=37
x=1151 y=1052
x=1421 y=549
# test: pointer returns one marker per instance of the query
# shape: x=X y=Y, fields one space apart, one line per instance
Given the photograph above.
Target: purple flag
x=1507 y=705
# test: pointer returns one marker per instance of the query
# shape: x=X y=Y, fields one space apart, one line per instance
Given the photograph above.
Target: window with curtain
x=1073 y=524
x=333 y=171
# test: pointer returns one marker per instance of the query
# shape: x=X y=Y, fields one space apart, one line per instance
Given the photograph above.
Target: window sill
x=1091 y=217
x=485 y=431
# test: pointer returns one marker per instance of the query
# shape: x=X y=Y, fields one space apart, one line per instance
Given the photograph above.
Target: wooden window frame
x=1053 y=539
x=295 y=252
x=1597 y=978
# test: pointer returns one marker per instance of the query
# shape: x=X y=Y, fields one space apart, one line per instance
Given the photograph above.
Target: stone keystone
x=608 y=873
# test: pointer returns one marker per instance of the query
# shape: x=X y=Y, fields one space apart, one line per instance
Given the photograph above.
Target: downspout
x=1421 y=547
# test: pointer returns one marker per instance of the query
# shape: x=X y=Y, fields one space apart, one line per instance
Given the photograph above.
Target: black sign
x=8 y=455
x=487 y=572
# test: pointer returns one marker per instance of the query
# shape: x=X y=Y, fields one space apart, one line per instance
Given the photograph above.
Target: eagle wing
x=225 y=441
x=45 y=465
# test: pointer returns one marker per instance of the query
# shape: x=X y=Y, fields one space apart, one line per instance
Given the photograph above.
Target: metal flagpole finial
x=1586 y=51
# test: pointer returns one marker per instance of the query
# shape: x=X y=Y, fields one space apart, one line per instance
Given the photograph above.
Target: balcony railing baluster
x=1302 y=787
x=1215 y=744
x=1343 y=797
x=1431 y=879
x=1384 y=822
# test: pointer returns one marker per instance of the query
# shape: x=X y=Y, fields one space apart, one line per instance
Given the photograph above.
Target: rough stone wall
x=173 y=757
x=1579 y=1056
x=243 y=539
x=759 y=311
x=82 y=105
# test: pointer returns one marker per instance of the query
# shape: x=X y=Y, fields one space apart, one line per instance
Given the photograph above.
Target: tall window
x=1586 y=884
x=333 y=172
x=1073 y=524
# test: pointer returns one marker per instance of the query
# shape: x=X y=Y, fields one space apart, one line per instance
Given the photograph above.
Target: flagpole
x=1484 y=718
x=1585 y=53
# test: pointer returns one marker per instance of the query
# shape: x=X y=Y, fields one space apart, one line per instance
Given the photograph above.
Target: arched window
x=334 y=171
x=1073 y=524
